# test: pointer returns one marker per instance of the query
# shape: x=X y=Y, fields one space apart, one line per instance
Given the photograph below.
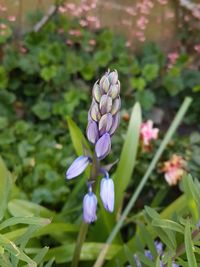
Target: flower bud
x=114 y=91
x=103 y=146
x=105 y=104
x=116 y=106
x=107 y=194
x=104 y=83
x=113 y=77
x=115 y=123
x=97 y=92
x=89 y=207
x=92 y=132
x=95 y=113
x=77 y=167
x=105 y=123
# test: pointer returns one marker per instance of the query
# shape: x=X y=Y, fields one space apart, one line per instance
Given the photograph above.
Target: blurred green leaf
x=5 y=188
x=189 y=247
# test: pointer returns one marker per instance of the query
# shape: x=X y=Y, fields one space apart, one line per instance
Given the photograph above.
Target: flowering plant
x=103 y=120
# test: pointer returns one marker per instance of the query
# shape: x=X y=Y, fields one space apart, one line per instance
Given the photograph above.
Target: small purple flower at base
x=89 y=208
x=107 y=193
x=77 y=167
x=103 y=146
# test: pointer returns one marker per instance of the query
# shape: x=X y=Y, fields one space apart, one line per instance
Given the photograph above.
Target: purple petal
x=105 y=104
x=103 y=146
x=107 y=194
x=105 y=123
x=77 y=167
x=92 y=132
x=89 y=208
x=115 y=124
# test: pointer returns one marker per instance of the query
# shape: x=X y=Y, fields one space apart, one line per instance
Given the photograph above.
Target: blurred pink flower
x=22 y=49
x=3 y=8
x=148 y=133
x=75 y=33
x=3 y=26
x=163 y=2
x=142 y=22
x=62 y=9
x=174 y=169
x=173 y=56
x=12 y=18
x=69 y=42
x=131 y=11
x=83 y=23
x=197 y=48
x=92 y=42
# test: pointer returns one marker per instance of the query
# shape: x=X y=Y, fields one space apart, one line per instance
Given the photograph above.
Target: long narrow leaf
x=177 y=120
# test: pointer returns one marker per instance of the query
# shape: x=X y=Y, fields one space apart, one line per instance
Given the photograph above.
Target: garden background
x=51 y=54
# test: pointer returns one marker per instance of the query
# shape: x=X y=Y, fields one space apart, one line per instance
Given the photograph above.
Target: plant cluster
x=46 y=77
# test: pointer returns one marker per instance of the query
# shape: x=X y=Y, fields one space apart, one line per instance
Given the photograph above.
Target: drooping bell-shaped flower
x=89 y=207
x=103 y=146
x=77 y=167
x=107 y=193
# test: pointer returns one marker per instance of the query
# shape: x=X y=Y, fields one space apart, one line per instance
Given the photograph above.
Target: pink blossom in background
x=62 y=9
x=83 y=23
x=3 y=26
x=128 y=44
x=92 y=42
x=148 y=133
x=23 y=49
x=69 y=42
x=173 y=56
x=197 y=48
x=3 y=8
x=12 y=18
x=174 y=169
x=131 y=11
x=142 y=22
x=140 y=36
x=162 y=2
x=75 y=33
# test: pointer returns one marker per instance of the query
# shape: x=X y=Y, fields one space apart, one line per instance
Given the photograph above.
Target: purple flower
x=92 y=132
x=107 y=193
x=103 y=146
x=89 y=207
x=77 y=167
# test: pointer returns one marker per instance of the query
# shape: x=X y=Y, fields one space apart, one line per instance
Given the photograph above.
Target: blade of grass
x=177 y=120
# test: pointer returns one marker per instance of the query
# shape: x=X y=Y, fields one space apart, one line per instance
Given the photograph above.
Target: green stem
x=84 y=227
x=174 y=125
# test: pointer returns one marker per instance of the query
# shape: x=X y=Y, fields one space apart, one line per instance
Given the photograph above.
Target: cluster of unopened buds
x=147 y=134
x=103 y=120
x=174 y=169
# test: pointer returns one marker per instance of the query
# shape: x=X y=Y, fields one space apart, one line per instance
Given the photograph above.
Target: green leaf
x=150 y=71
x=5 y=187
x=21 y=208
x=128 y=155
x=89 y=252
x=138 y=83
x=24 y=220
x=15 y=251
x=129 y=256
x=189 y=247
x=77 y=137
x=42 y=110
x=168 y=224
